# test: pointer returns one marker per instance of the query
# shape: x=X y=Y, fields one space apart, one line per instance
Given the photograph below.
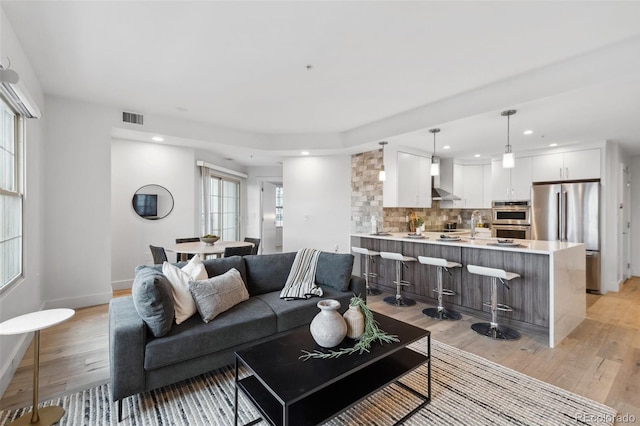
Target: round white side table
x=27 y=323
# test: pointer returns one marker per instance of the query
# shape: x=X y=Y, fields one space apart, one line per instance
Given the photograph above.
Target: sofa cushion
x=221 y=265
x=153 y=300
x=267 y=273
x=334 y=270
x=179 y=278
x=294 y=313
x=245 y=322
x=218 y=294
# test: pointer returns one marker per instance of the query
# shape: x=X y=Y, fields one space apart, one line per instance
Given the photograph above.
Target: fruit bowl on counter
x=209 y=239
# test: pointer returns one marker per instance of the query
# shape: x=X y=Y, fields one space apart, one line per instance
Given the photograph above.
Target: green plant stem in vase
x=372 y=332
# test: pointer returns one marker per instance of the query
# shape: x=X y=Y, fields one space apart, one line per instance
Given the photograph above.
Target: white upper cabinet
x=511 y=184
x=408 y=179
x=414 y=180
x=472 y=183
x=574 y=165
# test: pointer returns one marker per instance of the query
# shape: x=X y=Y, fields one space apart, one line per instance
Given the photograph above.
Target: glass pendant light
x=508 y=158
x=381 y=174
x=435 y=161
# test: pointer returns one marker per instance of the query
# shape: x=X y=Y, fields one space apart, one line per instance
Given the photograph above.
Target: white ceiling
x=380 y=70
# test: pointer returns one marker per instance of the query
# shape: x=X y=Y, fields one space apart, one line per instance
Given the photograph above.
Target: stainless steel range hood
x=439 y=194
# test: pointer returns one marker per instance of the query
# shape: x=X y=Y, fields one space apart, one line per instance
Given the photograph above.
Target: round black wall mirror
x=152 y=202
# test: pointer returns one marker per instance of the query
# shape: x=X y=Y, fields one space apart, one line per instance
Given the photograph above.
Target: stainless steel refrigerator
x=570 y=212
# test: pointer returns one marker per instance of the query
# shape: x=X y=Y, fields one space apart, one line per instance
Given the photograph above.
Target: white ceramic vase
x=355 y=322
x=328 y=328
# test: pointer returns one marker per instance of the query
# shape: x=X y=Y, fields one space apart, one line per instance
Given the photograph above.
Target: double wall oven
x=511 y=219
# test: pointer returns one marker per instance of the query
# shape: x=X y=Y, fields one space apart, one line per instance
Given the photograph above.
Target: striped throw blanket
x=301 y=282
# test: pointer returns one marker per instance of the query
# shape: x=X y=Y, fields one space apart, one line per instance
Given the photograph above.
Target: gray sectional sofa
x=140 y=362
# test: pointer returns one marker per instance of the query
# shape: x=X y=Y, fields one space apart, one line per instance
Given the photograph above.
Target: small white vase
x=355 y=322
x=328 y=328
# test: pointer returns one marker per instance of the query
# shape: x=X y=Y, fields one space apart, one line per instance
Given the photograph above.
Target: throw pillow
x=218 y=294
x=179 y=279
x=153 y=300
x=334 y=270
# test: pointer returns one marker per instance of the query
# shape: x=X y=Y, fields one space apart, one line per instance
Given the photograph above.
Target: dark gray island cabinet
x=549 y=298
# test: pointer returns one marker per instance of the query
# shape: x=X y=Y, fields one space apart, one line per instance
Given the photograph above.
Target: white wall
x=317 y=203
x=25 y=295
x=634 y=169
x=133 y=165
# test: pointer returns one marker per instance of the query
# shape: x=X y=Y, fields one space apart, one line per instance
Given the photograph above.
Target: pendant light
x=381 y=174
x=508 y=158
x=435 y=161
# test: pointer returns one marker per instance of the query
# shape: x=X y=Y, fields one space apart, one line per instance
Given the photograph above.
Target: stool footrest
x=445 y=292
x=371 y=274
x=499 y=307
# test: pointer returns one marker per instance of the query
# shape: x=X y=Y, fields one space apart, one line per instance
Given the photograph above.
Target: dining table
x=203 y=250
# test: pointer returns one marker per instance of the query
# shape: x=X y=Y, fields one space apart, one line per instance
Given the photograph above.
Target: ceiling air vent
x=132 y=117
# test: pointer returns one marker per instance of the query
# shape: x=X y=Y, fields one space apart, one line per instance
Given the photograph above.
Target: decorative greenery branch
x=372 y=332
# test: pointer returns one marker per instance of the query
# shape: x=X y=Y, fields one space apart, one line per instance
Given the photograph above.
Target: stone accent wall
x=366 y=201
x=366 y=191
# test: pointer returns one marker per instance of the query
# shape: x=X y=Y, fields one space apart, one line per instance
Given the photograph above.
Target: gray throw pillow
x=218 y=294
x=153 y=300
x=334 y=270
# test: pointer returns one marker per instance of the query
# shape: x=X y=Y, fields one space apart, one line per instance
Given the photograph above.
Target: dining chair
x=256 y=244
x=159 y=255
x=185 y=240
x=237 y=251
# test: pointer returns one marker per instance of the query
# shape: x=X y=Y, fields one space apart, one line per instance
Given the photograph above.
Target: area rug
x=466 y=390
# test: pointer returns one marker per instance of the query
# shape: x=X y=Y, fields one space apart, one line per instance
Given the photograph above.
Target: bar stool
x=492 y=329
x=441 y=312
x=368 y=260
x=401 y=261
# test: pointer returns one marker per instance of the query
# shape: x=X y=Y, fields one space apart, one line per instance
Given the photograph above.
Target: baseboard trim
x=121 y=285
x=79 y=302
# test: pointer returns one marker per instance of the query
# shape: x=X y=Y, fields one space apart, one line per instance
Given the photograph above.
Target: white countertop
x=481 y=241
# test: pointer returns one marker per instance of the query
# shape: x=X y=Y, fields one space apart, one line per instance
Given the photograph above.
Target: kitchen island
x=549 y=297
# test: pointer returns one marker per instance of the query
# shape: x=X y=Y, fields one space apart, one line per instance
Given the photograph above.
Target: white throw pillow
x=185 y=306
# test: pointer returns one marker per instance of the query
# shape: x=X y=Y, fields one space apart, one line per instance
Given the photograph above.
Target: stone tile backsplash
x=366 y=201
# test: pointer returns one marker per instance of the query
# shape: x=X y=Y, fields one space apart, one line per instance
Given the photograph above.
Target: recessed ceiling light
x=304 y=153
x=477 y=155
x=157 y=139
x=446 y=147
x=553 y=144
x=527 y=132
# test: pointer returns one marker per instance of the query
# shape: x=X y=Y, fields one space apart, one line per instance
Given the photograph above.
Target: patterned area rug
x=466 y=390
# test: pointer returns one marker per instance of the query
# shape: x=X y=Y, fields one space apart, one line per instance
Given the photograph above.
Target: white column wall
x=317 y=203
x=133 y=165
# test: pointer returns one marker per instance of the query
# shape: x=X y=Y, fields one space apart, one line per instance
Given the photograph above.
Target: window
x=10 y=196
x=223 y=218
x=279 y=205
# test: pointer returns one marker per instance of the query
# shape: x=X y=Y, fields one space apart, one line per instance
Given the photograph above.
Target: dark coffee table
x=289 y=391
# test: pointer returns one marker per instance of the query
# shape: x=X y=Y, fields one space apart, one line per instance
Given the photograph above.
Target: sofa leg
x=119 y=410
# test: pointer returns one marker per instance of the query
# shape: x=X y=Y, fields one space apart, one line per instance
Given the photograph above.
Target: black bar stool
x=440 y=312
x=398 y=299
x=367 y=274
x=493 y=329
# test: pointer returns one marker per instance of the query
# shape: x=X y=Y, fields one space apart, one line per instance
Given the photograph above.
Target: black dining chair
x=185 y=240
x=237 y=251
x=256 y=244
x=159 y=255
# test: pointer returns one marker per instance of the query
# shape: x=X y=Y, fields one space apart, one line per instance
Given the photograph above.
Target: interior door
x=625 y=223
x=269 y=235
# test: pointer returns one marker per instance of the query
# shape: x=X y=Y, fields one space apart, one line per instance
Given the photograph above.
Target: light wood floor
x=600 y=359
